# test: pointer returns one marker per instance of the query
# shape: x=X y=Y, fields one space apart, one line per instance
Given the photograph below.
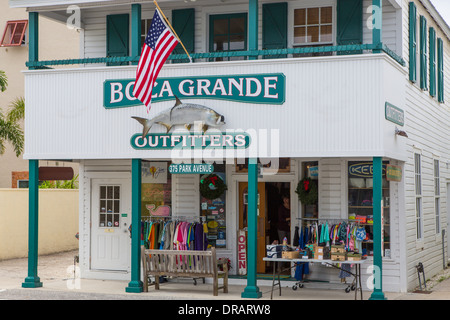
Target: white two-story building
x=351 y=94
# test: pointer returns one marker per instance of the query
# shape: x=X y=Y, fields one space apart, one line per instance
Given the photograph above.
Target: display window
x=156 y=189
x=213 y=205
x=360 y=204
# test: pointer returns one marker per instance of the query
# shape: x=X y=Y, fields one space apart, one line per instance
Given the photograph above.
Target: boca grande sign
x=252 y=88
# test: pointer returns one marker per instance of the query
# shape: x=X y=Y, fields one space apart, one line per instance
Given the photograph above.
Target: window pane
x=300 y=17
x=109 y=192
x=237 y=42
x=221 y=26
x=313 y=34
x=116 y=192
x=8 y=33
x=313 y=16
x=325 y=34
x=18 y=33
x=221 y=43
x=237 y=25
x=300 y=35
x=326 y=15
x=102 y=192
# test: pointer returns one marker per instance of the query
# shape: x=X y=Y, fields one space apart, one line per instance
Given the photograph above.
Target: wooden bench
x=184 y=263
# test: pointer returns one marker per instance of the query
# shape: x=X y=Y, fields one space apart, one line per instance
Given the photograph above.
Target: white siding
x=427 y=125
x=339 y=123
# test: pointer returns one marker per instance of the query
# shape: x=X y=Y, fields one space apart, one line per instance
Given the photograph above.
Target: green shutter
x=349 y=22
x=183 y=22
x=412 y=42
x=274 y=27
x=117 y=36
x=432 y=62
x=423 y=53
x=440 y=66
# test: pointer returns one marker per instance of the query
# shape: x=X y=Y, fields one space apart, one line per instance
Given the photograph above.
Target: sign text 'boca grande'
x=255 y=88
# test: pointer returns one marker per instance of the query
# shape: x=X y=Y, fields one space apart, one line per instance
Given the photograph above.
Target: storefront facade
x=336 y=117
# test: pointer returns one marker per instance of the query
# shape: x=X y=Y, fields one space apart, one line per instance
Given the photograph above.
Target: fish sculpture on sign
x=183 y=114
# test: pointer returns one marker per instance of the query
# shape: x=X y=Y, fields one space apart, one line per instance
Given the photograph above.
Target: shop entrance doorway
x=269 y=202
x=111 y=218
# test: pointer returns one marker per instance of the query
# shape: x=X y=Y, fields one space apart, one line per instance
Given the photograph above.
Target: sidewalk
x=59 y=284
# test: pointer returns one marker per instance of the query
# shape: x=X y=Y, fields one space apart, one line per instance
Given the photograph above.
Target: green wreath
x=307 y=191
x=212 y=187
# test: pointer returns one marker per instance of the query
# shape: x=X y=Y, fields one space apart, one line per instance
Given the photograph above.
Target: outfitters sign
x=253 y=88
x=168 y=141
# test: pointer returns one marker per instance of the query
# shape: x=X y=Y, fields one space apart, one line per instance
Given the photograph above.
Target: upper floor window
x=313 y=26
x=14 y=34
x=228 y=32
x=145 y=26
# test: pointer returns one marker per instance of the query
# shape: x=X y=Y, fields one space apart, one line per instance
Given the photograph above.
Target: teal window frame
x=230 y=16
x=412 y=42
x=432 y=58
x=440 y=70
x=423 y=53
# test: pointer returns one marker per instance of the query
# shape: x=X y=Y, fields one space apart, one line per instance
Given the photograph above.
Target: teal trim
x=377 y=229
x=423 y=53
x=117 y=36
x=274 y=27
x=348 y=49
x=252 y=290
x=183 y=22
x=135 y=285
x=349 y=23
x=33 y=38
x=32 y=280
x=253 y=26
x=377 y=31
x=440 y=67
x=432 y=57
x=136 y=31
x=412 y=42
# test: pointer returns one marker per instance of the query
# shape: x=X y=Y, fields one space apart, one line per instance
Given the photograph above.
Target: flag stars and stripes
x=159 y=43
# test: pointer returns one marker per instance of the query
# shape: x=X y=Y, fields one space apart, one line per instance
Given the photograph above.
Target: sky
x=443 y=6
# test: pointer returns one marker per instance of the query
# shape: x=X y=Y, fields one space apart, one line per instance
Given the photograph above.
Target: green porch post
x=135 y=285
x=135 y=31
x=253 y=27
x=377 y=294
x=377 y=12
x=33 y=281
x=33 y=37
x=252 y=291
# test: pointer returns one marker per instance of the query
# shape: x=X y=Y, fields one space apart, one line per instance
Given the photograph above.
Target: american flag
x=159 y=43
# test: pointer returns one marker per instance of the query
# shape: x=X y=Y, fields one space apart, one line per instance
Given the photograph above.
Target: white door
x=111 y=218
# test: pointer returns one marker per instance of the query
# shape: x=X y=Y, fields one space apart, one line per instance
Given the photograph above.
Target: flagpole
x=170 y=26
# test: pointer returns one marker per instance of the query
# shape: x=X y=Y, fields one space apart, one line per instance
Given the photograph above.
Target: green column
x=377 y=23
x=135 y=285
x=33 y=37
x=377 y=294
x=253 y=26
x=135 y=31
x=252 y=291
x=33 y=281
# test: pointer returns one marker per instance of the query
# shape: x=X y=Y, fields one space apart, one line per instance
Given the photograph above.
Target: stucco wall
x=58 y=221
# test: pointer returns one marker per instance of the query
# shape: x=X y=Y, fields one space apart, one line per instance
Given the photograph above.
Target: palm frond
x=3 y=81
x=11 y=131
x=16 y=110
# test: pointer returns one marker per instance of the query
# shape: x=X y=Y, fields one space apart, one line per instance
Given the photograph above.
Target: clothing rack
x=163 y=233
